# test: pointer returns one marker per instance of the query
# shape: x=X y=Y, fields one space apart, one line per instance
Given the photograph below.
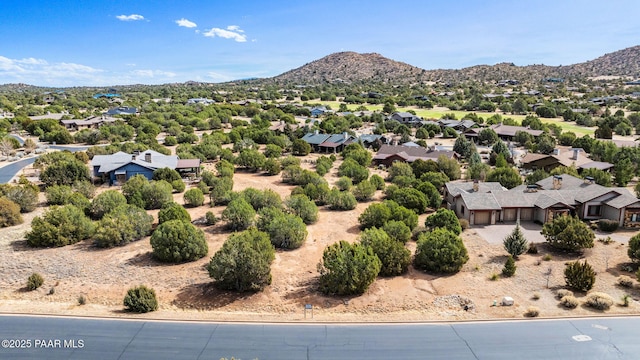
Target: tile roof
x=480 y=201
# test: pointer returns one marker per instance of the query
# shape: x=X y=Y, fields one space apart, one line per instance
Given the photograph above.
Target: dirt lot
x=185 y=291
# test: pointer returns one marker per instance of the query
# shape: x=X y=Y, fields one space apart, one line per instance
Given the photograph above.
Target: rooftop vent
x=476 y=185
x=532 y=188
x=589 y=180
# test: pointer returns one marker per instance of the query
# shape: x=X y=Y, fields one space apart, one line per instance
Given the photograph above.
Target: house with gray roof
x=405 y=118
x=388 y=154
x=117 y=168
x=487 y=203
x=328 y=142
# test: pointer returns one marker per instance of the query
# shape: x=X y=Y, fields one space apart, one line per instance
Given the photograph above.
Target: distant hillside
x=353 y=67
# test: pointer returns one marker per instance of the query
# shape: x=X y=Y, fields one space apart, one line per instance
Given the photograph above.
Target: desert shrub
x=244 y=262
x=123 y=225
x=353 y=170
x=569 y=301
x=515 y=244
x=286 y=231
x=178 y=241
x=397 y=230
x=377 y=181
x=434 y=199
x=344 y=183
x=494 y=277
x=444 y=218
x=364 y=191
x=634 y=248
x=9 y=213
x=303 y=207
x=239 y=214
x=626 y=299
x=173 y=211
x=533 y=249
x=221 y=188
x=598 y=300
x=60 y=226
x=106 y=202
x=58 y=194
x=271 y=166
x=625 y=281
x=509 y=268
x=579 y=276
x=341 y=200
x=375 y=215
x=34 y=281
x=411 y=199
x=193 y=197
x=82 y=300
x=141 y=299
x=562 y=293
x=608 y=225
x=464 y=224
x=259 y=199
x=178 y=186
x=394 y=257
x=167 y=174
x=568 y=233
x=210 y=218
x=25 y=196
x=401 y=213
x=440 y=251
x=547 y=257
x=532 y=311
x=348 y=269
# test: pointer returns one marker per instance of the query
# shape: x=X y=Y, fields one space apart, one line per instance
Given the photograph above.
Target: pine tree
x=515 y=243
x=509 y=268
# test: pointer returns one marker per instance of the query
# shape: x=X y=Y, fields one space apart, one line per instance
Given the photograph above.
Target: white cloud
x=231 y=32
x=186 y=23
x=132 y=17
x=41 y=72
x=153 y=73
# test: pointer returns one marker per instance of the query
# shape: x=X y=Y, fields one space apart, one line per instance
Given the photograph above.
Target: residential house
x=458 y=125
x=119 y=167
x=315 y=139
x=93 y=122
x=283 y=127
x=388 y=154
x=559 y=157
x=488 y=203
x=202 y=101
x=318 y=111
x=405 y=118
x=505 y=132
x=369 y=140
x=336 y=142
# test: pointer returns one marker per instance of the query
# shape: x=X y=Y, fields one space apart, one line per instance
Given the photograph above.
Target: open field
x=186 y=292
x=437 y=112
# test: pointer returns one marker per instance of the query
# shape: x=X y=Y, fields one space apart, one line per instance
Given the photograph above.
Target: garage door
x=510 y=214
x=482 y=218
x=526 y=214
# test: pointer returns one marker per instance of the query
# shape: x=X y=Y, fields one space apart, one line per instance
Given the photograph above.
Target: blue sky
x=119 y=42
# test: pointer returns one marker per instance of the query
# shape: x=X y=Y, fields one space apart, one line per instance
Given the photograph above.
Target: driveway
x=495 y=234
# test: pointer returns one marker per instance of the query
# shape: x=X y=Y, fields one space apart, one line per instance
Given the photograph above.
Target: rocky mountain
x=352 y=67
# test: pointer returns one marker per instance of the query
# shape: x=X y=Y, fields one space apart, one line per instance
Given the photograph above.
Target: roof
x=89 y=121
x=411 y=153
x=478 y=201
x=456 y=188
x=622 y=201
x=108 y=163
x=122 y=110
x=187 y=163
x=600 y=165
x=370 y=137
x=510 y=130
x=315 y=139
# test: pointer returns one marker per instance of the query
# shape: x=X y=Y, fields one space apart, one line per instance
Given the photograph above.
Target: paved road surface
x=7 y=172
x=69 y=338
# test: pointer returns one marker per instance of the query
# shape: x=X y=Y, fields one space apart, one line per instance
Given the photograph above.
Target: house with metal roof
x=122 y=110
x=487 y=203
x=119 y=167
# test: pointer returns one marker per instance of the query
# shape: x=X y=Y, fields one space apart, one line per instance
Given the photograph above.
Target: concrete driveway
x=495 y=234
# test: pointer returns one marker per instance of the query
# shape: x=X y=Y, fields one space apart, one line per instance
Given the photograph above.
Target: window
x=462 y=210
x=635 y=217
x=594 y=210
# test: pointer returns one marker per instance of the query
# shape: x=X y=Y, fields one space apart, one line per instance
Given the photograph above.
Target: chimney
x=476 y=185
x=589 y=180
x=557 y=182
x=133 y=157
x=345 y=135
x=556 y=151
x=147 y=157
x=576 y=153
x=317 y=132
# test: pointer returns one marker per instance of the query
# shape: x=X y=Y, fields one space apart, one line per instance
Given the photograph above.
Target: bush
x=34 y=281
x=440 y=251
x=303 y=207
x=515 y=244
x=82 y=300
x=444 y=218
x=464 y=224
x=569 y=301
x=579 y=276
x=394 y=257
x=167 y=174
x=397 y=230
x=193 y=197
x=239 y=214
x=625 y=281
x=532 y=311
x=244 y=262
x=60 y=226
x=123 y=225
x=607 y=225
x=562 y=293
x=364 y=191
x=272 y=167
x=353 y=170
x=634 y=248
x=173 y=211
x=509 y=268
x=348 y=269
x=178 y=186
x=339 y=200
x=106 y=202
x=25 y=196
x=58 y=194
x=598 y=300
x=344 y=183
x=411 y=199
x=9 y=213
x=141 y=299
x=377 y=181
x=286 y=231
x=533 y=249
x=568 y=233
x=178 y=241
x=210 y=218
x=375 y=215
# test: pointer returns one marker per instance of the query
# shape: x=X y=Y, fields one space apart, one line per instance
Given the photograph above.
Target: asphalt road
x=7 y=172
x=70 y=338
